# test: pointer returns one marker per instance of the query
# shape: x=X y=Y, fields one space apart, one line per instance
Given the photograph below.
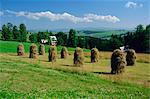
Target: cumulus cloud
x=1 y=13
x=133 y=5
x=65 y=16
x=108 y=18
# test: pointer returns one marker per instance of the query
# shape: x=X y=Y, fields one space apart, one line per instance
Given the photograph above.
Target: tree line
x=138 y=40
x=12 y=32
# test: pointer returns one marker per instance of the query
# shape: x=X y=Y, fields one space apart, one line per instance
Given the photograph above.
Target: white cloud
x=1 y=13
x=65 y=16
x=140 y=5
x=108 y=18
x=130 y=4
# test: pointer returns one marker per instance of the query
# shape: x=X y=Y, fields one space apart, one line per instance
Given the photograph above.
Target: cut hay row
x=118 y=59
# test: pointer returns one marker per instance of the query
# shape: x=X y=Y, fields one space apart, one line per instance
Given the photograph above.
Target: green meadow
x=11 y=47
x=21 y=77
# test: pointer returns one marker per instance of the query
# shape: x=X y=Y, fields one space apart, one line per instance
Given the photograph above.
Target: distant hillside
x=101 y=33
x=98 y=33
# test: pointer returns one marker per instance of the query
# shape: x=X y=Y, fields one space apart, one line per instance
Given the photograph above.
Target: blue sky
x=65 y=14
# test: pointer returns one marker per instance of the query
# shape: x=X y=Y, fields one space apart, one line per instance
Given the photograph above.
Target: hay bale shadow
x=88 y=62
x=105 y=73
x=68 y=65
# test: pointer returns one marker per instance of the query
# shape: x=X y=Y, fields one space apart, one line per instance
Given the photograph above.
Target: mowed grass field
x=21 y=77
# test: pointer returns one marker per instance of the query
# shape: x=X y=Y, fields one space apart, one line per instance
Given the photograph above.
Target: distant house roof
x=44 y=41
x=53 y=38
x=122 y=48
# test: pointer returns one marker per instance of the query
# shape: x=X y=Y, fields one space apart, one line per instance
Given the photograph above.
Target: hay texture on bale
x=41 y=49
x=78 y=57
x=94 y=55
x=130 y=57
x=64 y=52
x=117 y=62
x=20 y=50
x=33 y=51
x=52 y=54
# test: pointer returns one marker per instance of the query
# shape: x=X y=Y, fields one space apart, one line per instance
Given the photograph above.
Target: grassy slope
x=102 y=33
x=11 y=47
x=24 y=77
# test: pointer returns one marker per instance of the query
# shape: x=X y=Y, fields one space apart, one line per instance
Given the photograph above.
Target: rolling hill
x=101 y=33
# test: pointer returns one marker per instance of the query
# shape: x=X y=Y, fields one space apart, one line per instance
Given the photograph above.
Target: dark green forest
x=138 y=39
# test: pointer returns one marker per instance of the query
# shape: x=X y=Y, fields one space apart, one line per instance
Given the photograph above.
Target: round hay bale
x=78 y=57
x=131 y=57
x=33 y=51
x=20 y=50
x=117 y=62
x=94 y=55
x=64 y=52
x=52 y=54
x=41 y=49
